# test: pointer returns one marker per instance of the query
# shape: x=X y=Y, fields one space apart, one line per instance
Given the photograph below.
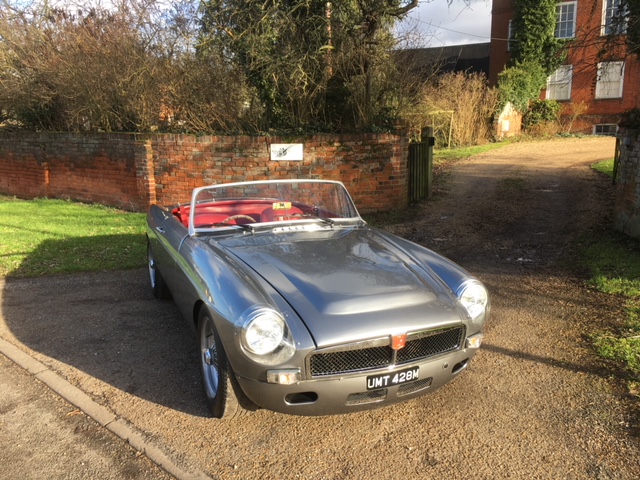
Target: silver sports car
x=300 y=307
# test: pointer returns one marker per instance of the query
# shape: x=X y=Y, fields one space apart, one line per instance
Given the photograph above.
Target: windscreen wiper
x=324 y=220
x=243 y=226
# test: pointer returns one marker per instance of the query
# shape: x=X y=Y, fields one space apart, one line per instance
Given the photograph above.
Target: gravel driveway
x=534 y=404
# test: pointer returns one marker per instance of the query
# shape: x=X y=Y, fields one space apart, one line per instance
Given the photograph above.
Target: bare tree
x=76 y=69
x=128 y=66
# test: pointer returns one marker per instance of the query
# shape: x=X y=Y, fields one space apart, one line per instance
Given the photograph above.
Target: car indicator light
x=474 y=341
x=283 y=377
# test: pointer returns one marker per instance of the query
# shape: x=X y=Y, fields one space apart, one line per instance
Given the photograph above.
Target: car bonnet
x=347 y=284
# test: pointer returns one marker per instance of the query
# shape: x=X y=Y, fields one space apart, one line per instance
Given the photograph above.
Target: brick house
x=599 y=80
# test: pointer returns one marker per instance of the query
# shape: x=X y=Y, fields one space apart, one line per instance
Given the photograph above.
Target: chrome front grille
x=374 y=354
x=428 y=344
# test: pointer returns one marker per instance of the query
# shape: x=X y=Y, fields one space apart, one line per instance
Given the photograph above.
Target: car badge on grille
x=398 y=341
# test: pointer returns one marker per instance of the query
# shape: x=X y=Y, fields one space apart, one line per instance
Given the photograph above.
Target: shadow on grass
x=105 y=324
x=82 y=254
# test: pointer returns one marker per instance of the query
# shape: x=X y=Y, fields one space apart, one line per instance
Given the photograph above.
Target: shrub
x=521 y=84
x=459 y=106
x=541 y=111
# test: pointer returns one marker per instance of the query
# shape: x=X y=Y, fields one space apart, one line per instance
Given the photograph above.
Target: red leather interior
x=273 y=215
x=211 y=213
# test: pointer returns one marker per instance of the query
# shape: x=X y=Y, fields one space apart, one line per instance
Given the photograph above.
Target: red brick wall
x=133 y=171
x=501 y=13
x=96 y=168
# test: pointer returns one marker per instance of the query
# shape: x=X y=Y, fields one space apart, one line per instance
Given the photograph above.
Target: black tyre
x=222 y=392
x=159 y=288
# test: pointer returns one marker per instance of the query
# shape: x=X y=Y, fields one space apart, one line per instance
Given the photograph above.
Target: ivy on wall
x=534 y=39
x=535 y=52
x=519 y=84
x=633 y=26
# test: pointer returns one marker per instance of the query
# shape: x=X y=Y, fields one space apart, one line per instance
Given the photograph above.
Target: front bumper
x=348 y=393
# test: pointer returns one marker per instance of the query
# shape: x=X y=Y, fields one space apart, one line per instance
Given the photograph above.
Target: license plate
x=384 y=380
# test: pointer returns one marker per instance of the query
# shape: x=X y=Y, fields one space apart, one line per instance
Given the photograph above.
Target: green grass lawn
x=606 y=166
x=41 y=237
x=613 y=261
x=459 y=153
x=614 y=264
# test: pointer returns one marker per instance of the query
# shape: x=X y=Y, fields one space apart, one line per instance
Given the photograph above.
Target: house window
x=610 y=80
x=614 y=17
x=566 y=26
x=510 y=36
x=610 y=129
x=559 y=83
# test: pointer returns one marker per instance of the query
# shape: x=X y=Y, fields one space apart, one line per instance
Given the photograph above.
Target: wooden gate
x=421 y=167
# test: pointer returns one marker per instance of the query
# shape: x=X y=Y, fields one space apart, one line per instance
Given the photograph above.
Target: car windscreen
x=251 y=203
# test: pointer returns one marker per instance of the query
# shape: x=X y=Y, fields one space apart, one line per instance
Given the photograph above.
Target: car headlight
x=473 y=297
x=263 y=331
x=265 y=336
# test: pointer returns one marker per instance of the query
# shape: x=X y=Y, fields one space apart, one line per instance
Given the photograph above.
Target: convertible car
x=302 y=308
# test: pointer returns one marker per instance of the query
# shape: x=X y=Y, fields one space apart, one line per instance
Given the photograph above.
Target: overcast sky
x=441 y=24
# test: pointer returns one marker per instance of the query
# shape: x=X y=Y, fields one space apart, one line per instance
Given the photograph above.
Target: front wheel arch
x=223 y=394
x=199 y=305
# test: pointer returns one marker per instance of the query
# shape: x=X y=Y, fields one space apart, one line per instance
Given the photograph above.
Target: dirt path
x=534 y=404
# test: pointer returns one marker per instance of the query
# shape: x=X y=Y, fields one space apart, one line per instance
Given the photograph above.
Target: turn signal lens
x=474 y=341
x=283 y=377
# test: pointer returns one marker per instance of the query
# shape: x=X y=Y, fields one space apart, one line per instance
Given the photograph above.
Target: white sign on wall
x=286 y=151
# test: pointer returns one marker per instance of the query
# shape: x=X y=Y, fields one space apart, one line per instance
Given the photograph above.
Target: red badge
x=398 y=341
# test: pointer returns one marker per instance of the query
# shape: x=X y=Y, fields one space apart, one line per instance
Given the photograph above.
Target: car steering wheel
x=234 y=217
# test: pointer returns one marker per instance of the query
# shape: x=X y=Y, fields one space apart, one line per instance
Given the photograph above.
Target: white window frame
x=559 y=83
x=610 y=80
x=605 y=129
x=562 y=25
x=609 y=14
